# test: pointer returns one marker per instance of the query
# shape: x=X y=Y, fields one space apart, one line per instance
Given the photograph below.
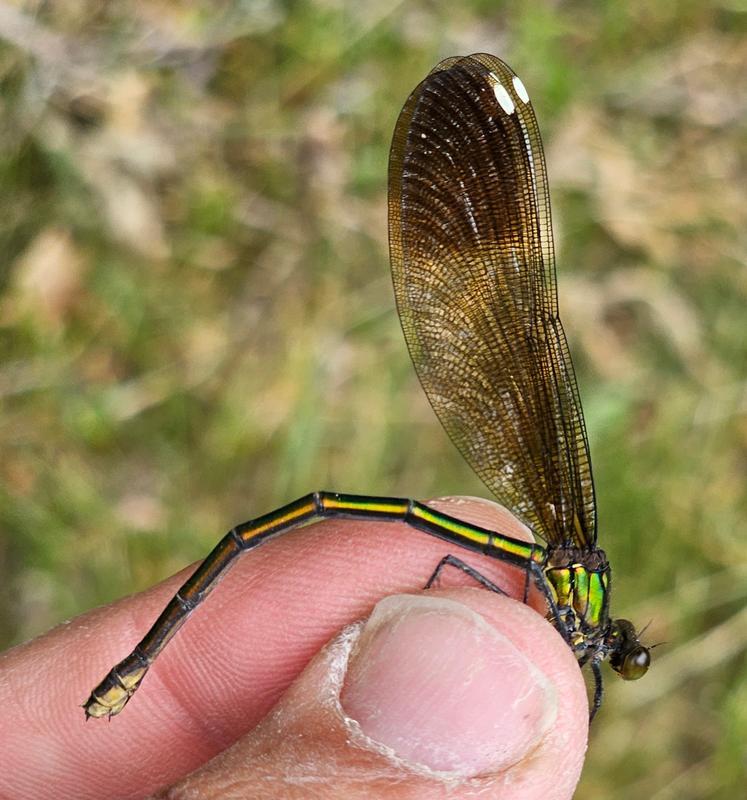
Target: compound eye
x=636 y=664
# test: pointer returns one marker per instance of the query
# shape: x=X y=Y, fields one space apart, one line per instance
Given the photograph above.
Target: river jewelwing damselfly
x=473 y=266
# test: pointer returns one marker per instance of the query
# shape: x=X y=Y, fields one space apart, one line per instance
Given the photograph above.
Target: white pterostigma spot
x=504 y=98
x=520 y=89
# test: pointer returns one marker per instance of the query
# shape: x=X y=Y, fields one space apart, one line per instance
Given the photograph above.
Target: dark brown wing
x=474 y=274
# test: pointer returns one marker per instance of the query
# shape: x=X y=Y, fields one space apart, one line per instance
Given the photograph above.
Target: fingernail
x=437 y=684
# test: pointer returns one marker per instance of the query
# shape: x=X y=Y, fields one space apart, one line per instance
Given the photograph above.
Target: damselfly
x=474 y=277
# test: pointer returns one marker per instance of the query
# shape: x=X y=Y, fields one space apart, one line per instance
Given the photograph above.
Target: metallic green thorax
x=581 y=592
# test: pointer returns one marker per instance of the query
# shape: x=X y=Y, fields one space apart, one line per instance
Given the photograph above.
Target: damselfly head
x=627 y=656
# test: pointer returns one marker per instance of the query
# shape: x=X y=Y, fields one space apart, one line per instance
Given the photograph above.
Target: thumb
x=444 y=693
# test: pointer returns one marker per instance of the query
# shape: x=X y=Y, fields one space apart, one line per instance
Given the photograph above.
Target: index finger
x=223 y=672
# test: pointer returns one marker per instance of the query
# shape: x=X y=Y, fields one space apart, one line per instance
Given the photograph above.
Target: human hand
x=454 y=692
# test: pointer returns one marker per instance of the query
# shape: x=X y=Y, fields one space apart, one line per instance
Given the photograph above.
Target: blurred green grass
x=197 y=322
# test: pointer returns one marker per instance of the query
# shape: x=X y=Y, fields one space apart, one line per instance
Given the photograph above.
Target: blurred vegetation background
x=197 y=321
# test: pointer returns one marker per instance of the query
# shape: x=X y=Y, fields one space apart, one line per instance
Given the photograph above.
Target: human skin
x=220 y=681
